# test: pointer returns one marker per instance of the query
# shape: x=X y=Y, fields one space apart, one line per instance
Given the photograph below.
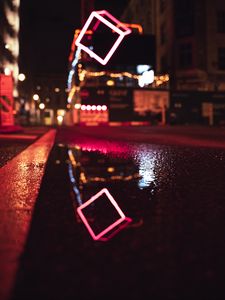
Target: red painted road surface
x=20 y=180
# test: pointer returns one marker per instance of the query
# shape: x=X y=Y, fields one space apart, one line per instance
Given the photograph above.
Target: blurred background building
x=190 y=39
x=9 y=39
x=188 y=60
x=124 y=90
x=190 y=47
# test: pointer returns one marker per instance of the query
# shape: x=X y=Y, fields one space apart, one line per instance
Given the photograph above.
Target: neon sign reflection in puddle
x=111 y=228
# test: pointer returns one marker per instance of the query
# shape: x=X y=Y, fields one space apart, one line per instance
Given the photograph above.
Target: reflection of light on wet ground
x=143 y=157
x=146 y=159
x=102 y=146
x=117 y=166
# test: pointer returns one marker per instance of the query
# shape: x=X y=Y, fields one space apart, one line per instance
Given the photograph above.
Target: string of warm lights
x=159 y=79
x=72 y=92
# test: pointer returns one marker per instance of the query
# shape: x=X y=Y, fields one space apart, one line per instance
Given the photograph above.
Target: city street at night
x=112 y=150
x=168 y=180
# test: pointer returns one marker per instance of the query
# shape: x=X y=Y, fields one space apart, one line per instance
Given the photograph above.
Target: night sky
x=46 y=33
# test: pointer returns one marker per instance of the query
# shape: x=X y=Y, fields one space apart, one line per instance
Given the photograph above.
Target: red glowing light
x=112 y=229
x=112 y=23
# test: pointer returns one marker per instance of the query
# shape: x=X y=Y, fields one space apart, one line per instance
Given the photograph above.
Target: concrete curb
x=20 y=181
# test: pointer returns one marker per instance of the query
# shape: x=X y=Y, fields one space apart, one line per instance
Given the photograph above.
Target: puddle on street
x=152 y=184
x=128 y=172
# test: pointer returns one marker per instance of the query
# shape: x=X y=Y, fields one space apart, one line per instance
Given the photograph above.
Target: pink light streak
x=122 y=31
x=96 y=25
x=121 y=222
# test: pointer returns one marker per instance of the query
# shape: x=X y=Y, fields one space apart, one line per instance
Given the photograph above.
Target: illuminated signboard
x=6 y=100
x=94 y=23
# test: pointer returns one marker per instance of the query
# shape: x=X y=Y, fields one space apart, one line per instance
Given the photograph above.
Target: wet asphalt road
x=173 y=249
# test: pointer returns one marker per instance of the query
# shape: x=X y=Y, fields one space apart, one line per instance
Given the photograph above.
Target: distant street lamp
x=42 y=106
x=36 y=97
x=21 y=77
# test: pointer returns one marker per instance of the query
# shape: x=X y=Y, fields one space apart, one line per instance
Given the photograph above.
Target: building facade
x=190 y=47
x=190 y=40
x=9 y=39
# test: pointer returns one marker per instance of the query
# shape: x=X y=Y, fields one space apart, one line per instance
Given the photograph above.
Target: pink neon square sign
x=108 y=232
x=111 y=22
